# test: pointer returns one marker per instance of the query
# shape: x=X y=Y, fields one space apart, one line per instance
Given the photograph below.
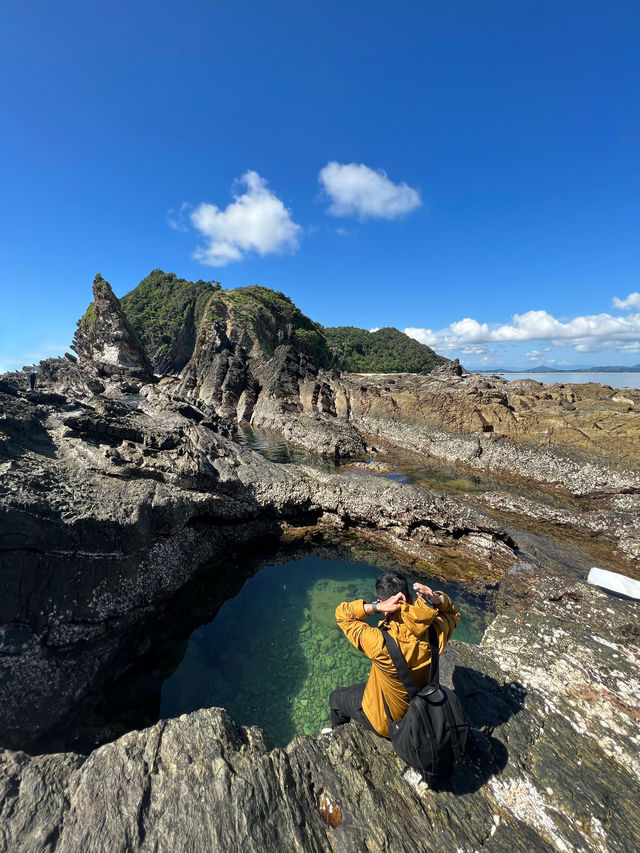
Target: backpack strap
x=400 y=663
x=404 y=674
x=434 y=681
x=434 y=672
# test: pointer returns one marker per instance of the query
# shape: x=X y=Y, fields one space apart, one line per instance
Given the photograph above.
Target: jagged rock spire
x=105 y=336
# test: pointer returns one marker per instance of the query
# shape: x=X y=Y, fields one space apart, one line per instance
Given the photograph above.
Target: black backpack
x=432 y=735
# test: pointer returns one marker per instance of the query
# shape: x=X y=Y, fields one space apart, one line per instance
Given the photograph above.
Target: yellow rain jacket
x=409 y=628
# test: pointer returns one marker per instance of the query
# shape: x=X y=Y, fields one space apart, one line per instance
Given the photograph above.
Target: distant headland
x=543 y=368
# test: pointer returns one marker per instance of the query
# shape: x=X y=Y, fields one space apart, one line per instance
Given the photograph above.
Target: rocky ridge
x=114 y=491
x=257 y=360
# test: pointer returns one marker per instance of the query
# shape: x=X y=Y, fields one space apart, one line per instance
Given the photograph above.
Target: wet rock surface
x=107 y=510
x=116 y=486
x=615 y=520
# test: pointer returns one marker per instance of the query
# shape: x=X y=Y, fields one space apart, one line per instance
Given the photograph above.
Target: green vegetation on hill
x=87 y=322
x=275 y=320
x=165 y=312
x=385 y=351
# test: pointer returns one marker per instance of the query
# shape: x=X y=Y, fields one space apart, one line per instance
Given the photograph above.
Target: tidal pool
x=273 y=447
x=544 y=544
x=273 y=654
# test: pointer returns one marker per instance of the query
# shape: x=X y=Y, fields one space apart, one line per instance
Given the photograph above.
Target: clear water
x=544 y=545
x=273 y=447
x=615 y=380
x=560 y=557
x=273 y=654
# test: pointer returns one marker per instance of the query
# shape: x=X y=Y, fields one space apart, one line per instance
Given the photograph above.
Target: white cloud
x=632 y=301
x=634 y=346
x=589 y=333
x=537 y=354
x=256 y=221
x=176 y=219
x=357 y=190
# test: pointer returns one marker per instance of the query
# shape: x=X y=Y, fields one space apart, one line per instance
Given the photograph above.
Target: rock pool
x=273 y=653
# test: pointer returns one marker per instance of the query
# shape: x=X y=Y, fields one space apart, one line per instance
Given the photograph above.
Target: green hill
x=167 y=312
x=276 y=320
x=385 y=351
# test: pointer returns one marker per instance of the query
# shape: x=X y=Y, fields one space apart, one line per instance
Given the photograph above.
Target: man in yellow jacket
x=408 y=624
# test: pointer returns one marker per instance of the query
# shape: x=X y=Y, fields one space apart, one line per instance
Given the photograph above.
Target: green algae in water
x=273 y=654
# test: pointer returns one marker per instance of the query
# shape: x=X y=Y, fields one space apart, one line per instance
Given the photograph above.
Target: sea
x=615 y=380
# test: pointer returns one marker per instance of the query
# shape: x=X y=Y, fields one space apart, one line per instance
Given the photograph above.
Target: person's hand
x=391 y=605
x=425 y=592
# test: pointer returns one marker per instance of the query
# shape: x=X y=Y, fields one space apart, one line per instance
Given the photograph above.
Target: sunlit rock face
x=257 y=359
x=567 y=434
x=105 y=337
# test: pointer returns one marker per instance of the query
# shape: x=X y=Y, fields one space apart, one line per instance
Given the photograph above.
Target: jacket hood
x=416 y=618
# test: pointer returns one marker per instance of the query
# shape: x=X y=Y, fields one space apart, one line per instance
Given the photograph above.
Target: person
x=32 y=381
x=408 y=624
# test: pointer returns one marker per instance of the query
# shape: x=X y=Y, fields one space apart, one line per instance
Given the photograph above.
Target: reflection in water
x=405 y=467
x=559 y=557
x=274 y=653
x=273 y=447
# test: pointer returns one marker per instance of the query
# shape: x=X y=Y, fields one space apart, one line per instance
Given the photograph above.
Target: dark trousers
x=346 y=704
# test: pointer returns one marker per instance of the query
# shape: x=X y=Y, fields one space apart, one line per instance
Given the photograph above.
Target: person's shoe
x=326 y=731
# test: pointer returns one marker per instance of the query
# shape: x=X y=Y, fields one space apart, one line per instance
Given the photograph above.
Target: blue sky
x=469 y=171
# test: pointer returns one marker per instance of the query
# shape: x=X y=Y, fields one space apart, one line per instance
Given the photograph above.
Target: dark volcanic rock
x=108 y=509
x=114 y=492
x=551 y=694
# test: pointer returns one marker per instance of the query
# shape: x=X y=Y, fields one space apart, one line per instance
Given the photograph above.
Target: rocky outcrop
x=552 y=696
x=253 y=364
x=449 y=368
x=108 y=509
x=250 y=366
x=115 y=491
x=582 y=438
x=253 y=357
x=105 y=337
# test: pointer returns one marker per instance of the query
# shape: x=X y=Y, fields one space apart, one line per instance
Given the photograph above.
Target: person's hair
x=390 y=584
